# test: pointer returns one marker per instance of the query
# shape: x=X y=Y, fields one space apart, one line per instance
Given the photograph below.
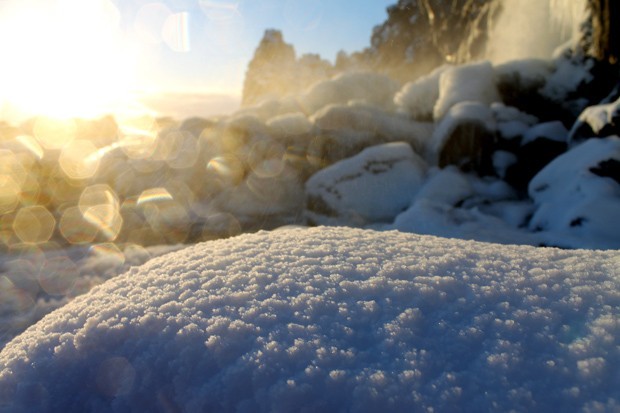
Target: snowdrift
x=331 y=319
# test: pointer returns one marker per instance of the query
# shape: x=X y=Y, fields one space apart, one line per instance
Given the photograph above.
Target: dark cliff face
x=420 y=35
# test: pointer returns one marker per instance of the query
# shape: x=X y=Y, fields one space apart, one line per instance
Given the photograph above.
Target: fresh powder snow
x=332 y=319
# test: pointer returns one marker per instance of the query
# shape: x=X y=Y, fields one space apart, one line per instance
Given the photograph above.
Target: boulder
x=373 y=186
x=465 y=138
x=540 y=145
x=578 y=195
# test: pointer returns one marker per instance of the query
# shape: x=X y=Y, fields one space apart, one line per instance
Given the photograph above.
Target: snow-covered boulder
x=331 y=319
x=372 y=123
x=464 y=137
x=289 y=126
x=540 y=145
x=373 y=186
x=578 y=195
x=417 y=99
x=363 y=87
x=597 y=121
x=473 y=82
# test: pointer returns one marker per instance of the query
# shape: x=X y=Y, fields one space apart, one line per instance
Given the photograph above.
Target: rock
x=597 y=121
x=472 y=82
x=578 y=193
x=540 y=145
x=276 y=72
x=373 y=186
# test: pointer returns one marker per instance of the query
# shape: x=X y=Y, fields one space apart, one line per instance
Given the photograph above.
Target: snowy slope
x=332 y=319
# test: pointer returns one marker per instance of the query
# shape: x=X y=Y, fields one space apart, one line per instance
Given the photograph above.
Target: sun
x=63 y=58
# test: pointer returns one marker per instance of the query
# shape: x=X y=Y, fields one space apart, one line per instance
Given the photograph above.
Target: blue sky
x=222 y=35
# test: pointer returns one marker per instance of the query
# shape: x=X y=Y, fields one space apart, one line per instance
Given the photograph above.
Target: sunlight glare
x=63 y=58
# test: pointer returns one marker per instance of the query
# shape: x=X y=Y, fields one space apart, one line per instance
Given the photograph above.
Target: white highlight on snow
x=332 y=319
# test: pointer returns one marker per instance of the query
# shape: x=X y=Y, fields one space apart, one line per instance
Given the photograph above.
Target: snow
x=364 y=87
x=568 y=75
x=418 y=98
x=581 y=206
x=467 y=112
x=323 y=319
x=554 y=131
x=472 y=82
x=373 y=186
x=331 y=319
x=597 y=117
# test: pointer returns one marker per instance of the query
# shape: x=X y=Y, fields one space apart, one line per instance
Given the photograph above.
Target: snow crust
x=331 y=319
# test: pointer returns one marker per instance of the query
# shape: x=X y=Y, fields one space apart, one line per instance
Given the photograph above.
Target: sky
x=79 y=56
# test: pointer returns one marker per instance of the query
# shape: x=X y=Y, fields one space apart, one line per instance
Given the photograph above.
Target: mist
x=534 y=28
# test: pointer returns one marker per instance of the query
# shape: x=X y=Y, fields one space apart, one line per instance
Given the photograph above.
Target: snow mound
x=331 y=319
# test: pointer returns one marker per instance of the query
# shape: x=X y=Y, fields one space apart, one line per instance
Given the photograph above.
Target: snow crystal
x=332 y=320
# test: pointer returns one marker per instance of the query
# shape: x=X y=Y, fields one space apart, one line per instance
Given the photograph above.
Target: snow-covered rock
x=362 y=87
x=540 y=144
x=372 y=123
x=553 y=131
x=472 y=82
x=418 y=98
x=373 y=186
x=599 y=120
x=464 y=136
x=331 y=319
x=578 y=195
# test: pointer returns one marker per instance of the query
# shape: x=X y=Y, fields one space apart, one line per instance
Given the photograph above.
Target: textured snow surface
x=332 y=319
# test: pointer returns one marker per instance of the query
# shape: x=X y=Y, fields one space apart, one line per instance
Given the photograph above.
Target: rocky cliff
x=417 y=36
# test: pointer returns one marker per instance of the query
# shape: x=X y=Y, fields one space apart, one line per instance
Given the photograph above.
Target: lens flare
x=77 y=160
x=100 y=206
x=58 y=275
x=154 y=195
x=34 y=225
x=54 y=133
x=175 y=32
x=109 y=252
